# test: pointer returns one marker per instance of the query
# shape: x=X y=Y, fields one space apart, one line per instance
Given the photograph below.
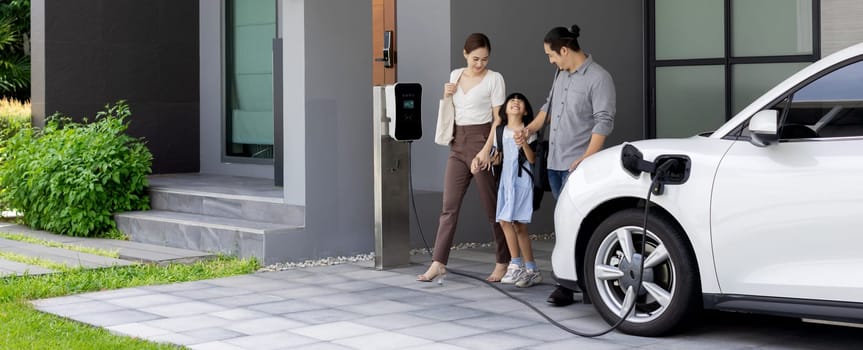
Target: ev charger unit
x=396 y=117
x=404 y=104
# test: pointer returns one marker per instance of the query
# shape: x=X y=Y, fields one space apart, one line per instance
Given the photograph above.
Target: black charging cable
x=659 y=175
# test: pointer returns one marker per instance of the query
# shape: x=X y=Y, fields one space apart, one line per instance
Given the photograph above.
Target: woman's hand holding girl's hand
x=474 y=166
x=482 y=160
x=448 y=89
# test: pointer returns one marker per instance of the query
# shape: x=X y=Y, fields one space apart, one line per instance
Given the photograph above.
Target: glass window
x=768 y=41
x=750 y=81
x=689 y=29
x=689 y=100
x=831 y=106
x=251 y=26
x=771 y=27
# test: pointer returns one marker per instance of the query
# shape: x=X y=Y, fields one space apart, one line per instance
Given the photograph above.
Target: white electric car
x=760 y=216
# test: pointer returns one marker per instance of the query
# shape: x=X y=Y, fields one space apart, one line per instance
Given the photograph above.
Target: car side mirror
x=762 y=128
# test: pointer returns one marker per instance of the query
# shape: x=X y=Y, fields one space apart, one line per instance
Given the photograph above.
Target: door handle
x=389 y=55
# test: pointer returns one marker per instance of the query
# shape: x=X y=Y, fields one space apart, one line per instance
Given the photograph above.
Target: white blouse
x=475 y=106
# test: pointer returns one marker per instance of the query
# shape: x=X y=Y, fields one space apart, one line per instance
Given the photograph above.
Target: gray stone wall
x=91 y=53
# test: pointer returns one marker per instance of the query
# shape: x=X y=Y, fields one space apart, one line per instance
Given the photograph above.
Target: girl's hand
x=448 y=89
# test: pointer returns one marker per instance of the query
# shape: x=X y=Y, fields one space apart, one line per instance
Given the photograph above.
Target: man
x=581 y=115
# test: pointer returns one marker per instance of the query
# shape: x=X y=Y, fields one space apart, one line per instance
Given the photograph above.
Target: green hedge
x=72 y=177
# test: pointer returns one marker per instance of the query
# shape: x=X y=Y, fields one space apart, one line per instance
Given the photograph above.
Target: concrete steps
x=221 y=214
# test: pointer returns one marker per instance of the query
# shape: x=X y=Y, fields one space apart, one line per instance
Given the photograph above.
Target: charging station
x=396 y=120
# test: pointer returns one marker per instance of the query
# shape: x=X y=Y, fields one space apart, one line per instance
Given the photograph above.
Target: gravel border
x=337 y=260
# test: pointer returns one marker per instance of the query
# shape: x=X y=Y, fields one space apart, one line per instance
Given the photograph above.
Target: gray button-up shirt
x=583 y=104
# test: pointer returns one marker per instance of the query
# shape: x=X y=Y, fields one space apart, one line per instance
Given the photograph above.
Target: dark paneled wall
x=611 y=30
x=141 y=51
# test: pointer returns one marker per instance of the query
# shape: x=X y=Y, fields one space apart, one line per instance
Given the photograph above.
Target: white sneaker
x=513 y=273
x=528 y=278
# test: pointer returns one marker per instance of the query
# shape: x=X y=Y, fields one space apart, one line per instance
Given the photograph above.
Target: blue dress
x=515 y=194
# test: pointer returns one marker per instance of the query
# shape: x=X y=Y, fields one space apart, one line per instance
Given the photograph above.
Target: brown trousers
x=467 y=141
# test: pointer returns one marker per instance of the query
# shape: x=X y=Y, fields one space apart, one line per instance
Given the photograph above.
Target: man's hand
x=575 y=164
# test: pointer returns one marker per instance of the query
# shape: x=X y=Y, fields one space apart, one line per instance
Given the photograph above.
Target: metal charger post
x=392 y=164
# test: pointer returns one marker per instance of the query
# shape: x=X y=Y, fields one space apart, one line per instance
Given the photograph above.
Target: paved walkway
x=353 y=306
x=129 y=252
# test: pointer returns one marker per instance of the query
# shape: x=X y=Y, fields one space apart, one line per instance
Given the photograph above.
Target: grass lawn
x=23 y=327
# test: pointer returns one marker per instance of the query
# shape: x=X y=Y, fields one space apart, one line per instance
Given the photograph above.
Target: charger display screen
x=408 y=104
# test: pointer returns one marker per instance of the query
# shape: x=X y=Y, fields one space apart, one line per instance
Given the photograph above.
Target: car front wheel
x=670 y=292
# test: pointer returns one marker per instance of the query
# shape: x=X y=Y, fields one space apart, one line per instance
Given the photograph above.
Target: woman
x=477 y=94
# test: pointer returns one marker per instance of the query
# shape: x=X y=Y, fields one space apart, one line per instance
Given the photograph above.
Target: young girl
x=515 y=195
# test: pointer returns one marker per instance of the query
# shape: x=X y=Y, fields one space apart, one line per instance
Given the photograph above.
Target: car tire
x=671 y=292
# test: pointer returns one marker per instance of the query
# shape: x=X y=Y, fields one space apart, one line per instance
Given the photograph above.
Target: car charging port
x=670 y=170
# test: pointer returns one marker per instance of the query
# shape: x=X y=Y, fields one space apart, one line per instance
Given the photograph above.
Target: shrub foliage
x=72 y=177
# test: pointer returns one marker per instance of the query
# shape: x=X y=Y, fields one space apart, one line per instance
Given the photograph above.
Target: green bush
x=71 y=177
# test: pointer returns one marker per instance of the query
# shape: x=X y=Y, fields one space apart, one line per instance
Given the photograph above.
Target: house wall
x=91 y=53
x=840 y=25
x=337 y=75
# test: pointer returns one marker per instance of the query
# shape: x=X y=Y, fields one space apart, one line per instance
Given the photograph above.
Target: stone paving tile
x=286 y=306
x=449 y=313
x=239 y=314
x=382 y=341
x=175 y=338
x=245 y=300
x=436 y=346
x=429 y=301
x=381 y=308
x=323 y=316
x=321 y=346
x=188 y=323
x=394 y=321
x=51 y=302
x=354 y=286
x=178 y=287
x=213 y=334
x=263 y=325
x=543 y=331
x=9 y=268
x=494 y=341
x=138 y=330
x=210 y=293
x=496 y=322
x=441 y=331
x=277 y=340
x=183 y=309
x=337 y=300
x=307 y=291
x=335 y=330
x=86 y=307
x=143 y=301
x=580 y=343
x=216 y=345
x=117 y=293
x=113 y=318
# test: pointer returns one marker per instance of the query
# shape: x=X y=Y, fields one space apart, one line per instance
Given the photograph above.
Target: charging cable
x=660 y=174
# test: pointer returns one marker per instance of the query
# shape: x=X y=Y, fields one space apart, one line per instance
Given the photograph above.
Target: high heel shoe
x=438 y=277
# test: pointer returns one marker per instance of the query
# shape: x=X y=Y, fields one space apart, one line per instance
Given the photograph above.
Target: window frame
x=651 y=63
